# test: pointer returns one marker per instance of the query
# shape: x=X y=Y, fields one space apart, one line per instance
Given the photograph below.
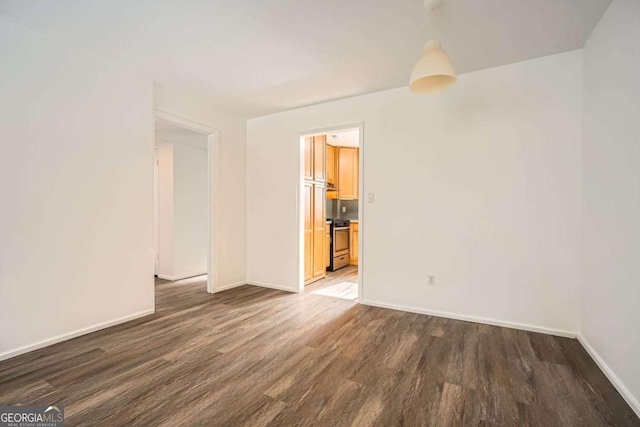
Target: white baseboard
x=466 y=318
x=624 y=391
x=272 y=286
x=64 y=337
x=163 y=277
x=230 y=286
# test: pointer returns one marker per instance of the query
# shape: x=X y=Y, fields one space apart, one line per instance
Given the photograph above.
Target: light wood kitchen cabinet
x=354 y=234
x=314 y=209
x=308 y=158
x=314 y=232
x=348 y=175
x=327 y=245
x=331 y=165
x=319 y=221
x=319 y=143
x=308 y=231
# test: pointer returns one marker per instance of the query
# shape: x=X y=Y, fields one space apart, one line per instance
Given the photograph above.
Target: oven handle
x=340 y=228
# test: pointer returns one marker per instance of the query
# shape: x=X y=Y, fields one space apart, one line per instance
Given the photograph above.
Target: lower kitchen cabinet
x=314 y=232
x=354 y=234
x=327 y=245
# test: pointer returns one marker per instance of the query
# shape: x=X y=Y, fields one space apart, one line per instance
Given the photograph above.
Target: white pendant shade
x=433 y=72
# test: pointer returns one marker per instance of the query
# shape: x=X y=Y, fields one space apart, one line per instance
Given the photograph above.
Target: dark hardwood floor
x=252 y=356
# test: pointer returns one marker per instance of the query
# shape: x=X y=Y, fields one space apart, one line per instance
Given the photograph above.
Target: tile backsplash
x=335 y=209
x=332 y=206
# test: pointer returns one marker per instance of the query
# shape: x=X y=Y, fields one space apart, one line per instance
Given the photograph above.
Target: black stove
x=339 y=222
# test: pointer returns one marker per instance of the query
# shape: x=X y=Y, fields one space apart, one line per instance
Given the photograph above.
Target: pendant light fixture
x=434 y=71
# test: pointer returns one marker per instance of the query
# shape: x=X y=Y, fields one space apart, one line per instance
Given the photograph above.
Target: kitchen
x=331 y=218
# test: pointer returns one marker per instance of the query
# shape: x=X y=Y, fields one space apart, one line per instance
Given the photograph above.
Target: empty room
x=320 y=213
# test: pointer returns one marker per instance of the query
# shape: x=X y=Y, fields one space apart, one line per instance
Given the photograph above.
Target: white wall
x=190 y=174
x=610 y=299
x=479 y=185
x=76 y=179
x=230 y=221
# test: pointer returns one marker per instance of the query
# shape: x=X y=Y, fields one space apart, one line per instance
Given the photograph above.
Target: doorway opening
x=184 y=154
x=331 y=212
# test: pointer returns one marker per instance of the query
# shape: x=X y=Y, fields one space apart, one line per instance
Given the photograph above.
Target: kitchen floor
x=342 y=283
x=187 y=281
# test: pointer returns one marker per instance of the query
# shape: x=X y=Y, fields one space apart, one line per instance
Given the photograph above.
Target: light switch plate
x=371 y=197
x=431 y=280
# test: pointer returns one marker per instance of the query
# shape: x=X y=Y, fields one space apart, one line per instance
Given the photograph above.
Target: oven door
x=340 y=241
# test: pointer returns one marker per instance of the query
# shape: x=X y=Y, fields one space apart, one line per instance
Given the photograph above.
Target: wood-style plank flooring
x=259 y=357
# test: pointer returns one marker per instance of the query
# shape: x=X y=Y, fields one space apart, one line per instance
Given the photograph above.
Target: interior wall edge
x=474 y=319
x=229 y=286
x=273 y=286
x=65 y=337
x=611 y=376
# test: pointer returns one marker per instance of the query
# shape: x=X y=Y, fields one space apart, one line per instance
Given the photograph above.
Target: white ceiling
x=255 y=57
x=344 y=138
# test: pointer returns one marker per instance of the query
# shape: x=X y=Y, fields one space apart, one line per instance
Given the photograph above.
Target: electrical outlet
x=344 y=209
x=371 y=197
x=431 y=280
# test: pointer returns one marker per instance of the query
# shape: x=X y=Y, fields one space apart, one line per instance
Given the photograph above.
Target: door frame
x=361 y=204
x=212 y=184
x=156 y=208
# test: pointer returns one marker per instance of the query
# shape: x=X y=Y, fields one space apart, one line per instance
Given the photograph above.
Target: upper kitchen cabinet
x=348 y=173
x=331 y=166
x=308 y=158
x=314 y=168
x=319 y=143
